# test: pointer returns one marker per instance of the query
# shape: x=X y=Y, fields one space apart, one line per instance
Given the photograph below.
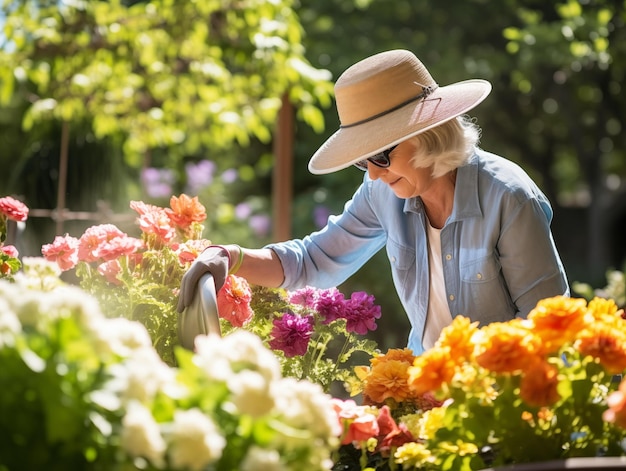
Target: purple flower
x=330 y=305
x=230 y=175
x=260 y=224
x=361 y=313
x=304 y=297
x=199 y=175
x=291 y=334
x=157 y=181
x=243 y=211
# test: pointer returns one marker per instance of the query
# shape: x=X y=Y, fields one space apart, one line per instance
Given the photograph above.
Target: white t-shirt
x=439 y=315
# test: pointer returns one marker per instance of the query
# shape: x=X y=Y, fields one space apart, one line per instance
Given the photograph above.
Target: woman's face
x=405 y=180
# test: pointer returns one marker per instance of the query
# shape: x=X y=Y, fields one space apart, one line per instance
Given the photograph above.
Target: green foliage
x=160 y=74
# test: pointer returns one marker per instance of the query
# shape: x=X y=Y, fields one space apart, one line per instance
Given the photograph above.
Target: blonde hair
x=447 y=146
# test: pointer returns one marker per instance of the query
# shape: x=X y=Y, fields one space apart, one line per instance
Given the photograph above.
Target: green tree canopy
x=173 y=74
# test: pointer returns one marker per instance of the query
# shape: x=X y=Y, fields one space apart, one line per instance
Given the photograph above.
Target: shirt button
x=451 y=297
x=393 y=259
x=448 y=256
x=479 y=276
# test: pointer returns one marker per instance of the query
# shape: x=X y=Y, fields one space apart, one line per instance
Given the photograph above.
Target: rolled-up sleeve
x=328 y=257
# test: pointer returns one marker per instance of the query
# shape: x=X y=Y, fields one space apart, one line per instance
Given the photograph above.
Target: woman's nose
x=375 y=171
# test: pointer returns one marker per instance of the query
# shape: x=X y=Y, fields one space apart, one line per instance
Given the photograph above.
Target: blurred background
x=104 y=102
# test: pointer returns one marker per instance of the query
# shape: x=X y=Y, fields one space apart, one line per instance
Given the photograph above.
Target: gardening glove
x=213 y=260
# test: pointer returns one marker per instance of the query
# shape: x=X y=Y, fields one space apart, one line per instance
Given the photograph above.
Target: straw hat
x=385 y=99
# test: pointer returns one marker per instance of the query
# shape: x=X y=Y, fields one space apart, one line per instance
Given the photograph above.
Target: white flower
x=119 y=336
x=194 y=440
x=262 y=459
x=141 y=436
x=220 y=357
x=251 y=393
x=10 y=325
x=303 y=405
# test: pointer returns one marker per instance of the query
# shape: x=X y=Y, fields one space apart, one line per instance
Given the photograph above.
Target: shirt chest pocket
x=482 y=270
x=400 y=258
x=484 y=288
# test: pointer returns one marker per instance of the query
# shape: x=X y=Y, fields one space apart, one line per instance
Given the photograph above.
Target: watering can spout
x=201 y=316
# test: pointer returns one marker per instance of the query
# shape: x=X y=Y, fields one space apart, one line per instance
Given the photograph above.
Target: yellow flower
x=605 y=309
x=413 y=455
x=459 y=448
x=431 y=421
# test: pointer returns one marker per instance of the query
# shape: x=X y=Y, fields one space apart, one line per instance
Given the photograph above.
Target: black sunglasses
x=380 y=160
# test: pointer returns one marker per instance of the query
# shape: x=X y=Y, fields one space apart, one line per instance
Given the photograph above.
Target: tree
x=176 y=75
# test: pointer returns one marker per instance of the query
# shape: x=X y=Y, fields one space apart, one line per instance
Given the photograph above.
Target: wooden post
x=62 y=184
x=282 y=186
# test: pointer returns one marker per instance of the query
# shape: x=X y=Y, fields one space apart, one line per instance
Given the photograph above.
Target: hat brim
x=349 y=145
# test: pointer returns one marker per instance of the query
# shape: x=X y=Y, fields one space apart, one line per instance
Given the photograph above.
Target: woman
x=466 y=232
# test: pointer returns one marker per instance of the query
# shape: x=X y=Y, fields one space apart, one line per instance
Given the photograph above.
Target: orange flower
x=399 y=354
x=458 y=337
x=186 y=210
x=233 y=301
x=506 y=347
x=538 y=387
x=558 y=320
x=606 y=342
x=388 y=379
x=616 y=413
x=431 y=370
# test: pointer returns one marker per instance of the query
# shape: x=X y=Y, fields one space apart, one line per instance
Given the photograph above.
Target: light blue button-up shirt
x=499 y=257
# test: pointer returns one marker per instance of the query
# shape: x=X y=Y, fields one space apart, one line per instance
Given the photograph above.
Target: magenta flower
x=330 y=305
x=361 y=313
x=291 y=334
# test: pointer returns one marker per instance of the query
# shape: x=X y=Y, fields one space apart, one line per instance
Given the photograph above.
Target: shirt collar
x=466 y=203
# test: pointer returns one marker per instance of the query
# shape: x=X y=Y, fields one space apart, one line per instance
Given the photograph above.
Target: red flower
x=233 y=301
x=391 y=435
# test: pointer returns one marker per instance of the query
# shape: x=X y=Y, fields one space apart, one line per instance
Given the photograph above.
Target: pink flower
x=109 y=270
x=143 y=208
x=63 y=250
x=93 y=238
x=13 y=209
x=117 y=247
x=233 y=301
x=616 y=413
x=10 y=250
x=304 y=297
x=358 y=424
x=157 y=223
x=291 y=334
x=361 y=313
x=188 y=251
